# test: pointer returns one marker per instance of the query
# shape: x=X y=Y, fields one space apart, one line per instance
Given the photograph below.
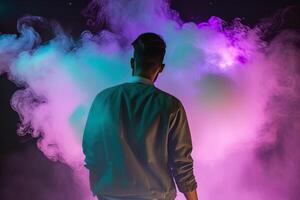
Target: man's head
x=149 y=52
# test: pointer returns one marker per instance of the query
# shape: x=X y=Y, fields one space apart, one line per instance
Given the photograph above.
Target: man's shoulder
x=108 y=91
x=119 y=87
x=170 y=97
x=111 y=89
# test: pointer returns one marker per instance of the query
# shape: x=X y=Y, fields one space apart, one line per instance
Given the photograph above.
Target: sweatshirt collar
x=140 y=79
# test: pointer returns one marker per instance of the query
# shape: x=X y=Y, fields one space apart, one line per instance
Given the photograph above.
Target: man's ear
x=132 y=63
x=161 y=67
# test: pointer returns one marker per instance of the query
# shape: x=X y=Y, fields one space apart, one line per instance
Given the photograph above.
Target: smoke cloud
x=241 y=94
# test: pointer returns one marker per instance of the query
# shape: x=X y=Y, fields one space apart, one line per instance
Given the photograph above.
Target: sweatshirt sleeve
x=92 y=144
x=180 y=148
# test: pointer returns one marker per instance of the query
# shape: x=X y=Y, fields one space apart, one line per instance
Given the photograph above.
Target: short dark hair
x=149 y=48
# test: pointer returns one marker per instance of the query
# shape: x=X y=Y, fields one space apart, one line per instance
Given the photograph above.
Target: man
x=137 y=137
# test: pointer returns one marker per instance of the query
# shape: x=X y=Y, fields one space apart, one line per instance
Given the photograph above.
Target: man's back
x=136 y=139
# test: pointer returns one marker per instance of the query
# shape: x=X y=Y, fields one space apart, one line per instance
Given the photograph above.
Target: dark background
x=24 y=172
